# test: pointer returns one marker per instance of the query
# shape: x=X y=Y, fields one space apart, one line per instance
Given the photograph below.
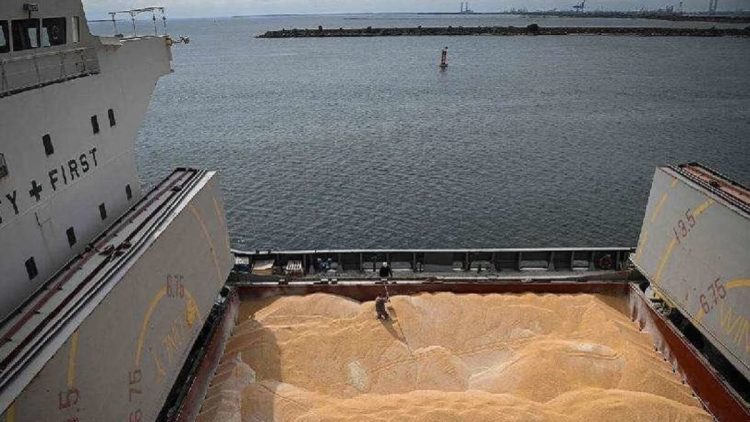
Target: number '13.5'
x=682 y=228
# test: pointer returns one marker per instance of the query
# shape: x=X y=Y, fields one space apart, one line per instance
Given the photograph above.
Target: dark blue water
x=524 y=141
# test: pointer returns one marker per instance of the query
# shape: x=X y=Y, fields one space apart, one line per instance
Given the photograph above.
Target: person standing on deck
x=385 y=271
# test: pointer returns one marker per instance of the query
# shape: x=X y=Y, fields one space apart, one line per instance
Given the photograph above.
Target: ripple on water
x=362 y=143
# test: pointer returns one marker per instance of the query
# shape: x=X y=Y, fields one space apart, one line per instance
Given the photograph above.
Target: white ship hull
x=104 y=290
x=85 y=171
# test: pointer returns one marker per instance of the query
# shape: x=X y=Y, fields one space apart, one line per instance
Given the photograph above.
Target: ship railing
x=411 y=262
x=18 y=74
x=157 y=14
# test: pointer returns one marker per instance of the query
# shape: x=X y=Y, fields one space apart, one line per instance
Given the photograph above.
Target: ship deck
x=338 y=266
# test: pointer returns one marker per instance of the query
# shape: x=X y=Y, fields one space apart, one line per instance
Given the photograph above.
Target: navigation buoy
x=444 y=59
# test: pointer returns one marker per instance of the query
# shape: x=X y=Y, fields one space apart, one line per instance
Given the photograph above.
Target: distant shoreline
x=657 y=15
x=504 y=31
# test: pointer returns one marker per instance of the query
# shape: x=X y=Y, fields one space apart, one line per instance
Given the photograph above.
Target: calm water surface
x=524 y=141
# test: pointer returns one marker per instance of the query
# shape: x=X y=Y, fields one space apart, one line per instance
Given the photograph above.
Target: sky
x=96 y=9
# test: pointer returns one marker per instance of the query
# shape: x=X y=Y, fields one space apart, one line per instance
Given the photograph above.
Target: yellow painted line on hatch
x=10 y=414
x=700 y=316
x=197 y=216
x=160 y=372
x=641 y=246
x=703 y=207
x=668 y=252
x=663 y=261
x=72 y=359
x=740 y=282
x=192 y=316
x=142 y=336
x=659 y=206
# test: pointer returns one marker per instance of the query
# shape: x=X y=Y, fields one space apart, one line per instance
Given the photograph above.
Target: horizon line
x=500 y=12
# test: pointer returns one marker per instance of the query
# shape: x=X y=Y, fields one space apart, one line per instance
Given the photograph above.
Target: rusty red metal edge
x=716 y=396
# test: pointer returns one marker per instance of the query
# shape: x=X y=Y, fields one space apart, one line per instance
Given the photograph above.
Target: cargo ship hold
x=123 y=305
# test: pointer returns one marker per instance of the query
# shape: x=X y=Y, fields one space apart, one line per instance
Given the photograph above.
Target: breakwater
x=532 y=29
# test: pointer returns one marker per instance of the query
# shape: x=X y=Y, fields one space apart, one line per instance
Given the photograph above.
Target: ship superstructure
x=71 y=106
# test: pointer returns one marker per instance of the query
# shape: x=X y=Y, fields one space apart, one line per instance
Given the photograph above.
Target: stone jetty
x=532 y=29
